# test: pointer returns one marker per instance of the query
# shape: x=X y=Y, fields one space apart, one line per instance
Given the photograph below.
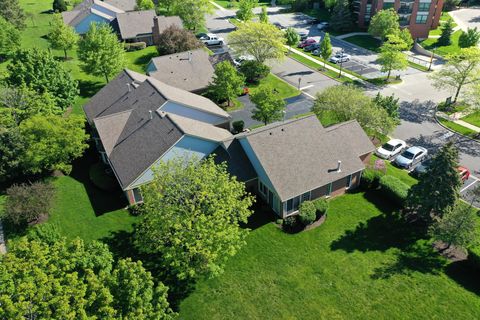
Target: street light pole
x=341 y=63
x=299 y=82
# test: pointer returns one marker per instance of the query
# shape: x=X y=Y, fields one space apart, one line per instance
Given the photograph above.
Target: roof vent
x=339 y=166
x=283 y=129
x=270 y=133
x=151 y=114
x=129 y=87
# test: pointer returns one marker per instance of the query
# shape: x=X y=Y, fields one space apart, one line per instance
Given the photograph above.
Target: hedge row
x=135 y=46
x=371 y=178
x=394 y=189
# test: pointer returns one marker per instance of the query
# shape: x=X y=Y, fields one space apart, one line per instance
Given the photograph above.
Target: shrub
x=100 y=179
x=371 y=178
x=238 y=126
x=474 y=258
x=176 y=39
x=135 y=46
x=279 y=221
x=254 y=71
x=28 y=202
x=321 y=205
x=45 y=232
x=394 y=189
x=59 y=5
x=290 y=223
x=135 y=209
x=308 y=213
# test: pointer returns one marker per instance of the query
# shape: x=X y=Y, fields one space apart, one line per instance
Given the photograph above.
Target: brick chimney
x=155 y=31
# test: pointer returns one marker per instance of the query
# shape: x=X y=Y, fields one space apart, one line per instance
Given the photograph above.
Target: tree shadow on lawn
x=465 y=275
x=143 y=60
x=101 y=201
x=89 y=88
x=262 y=214
x=380 y=233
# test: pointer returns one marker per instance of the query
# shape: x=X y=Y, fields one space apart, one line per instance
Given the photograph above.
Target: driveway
x=297 y=105
x=467 y=18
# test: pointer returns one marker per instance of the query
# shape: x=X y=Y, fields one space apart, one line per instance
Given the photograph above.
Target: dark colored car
x=311 y=47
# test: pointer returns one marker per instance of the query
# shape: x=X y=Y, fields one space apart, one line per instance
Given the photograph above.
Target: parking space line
x=306 y=87
x=471 y=184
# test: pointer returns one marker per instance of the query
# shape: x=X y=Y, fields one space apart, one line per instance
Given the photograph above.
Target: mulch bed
x=298 y=229
x=453 y=253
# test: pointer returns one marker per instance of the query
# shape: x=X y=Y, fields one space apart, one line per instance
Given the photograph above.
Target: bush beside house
x=394 y=189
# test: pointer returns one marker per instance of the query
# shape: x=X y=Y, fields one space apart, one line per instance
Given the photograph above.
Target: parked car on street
x=212 y=40
x=340 y=58
x=306 y=43
x=411 y=157
x=201 y=36
x=423 y=166
x=311 y=47
x=322 y=25
x=391 y=149
x=241 y=59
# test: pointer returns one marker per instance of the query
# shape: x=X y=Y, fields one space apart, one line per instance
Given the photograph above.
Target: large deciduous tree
x=383 y=23
x=175 y=39
x=53 y=142
x=227 y=83
x=9 y=38
x=192 y=12
x=62 y=36
x=11 y=11
x=462 y=69
x=268 y=106
x=391 y=56
x=145 y=5
x=390 y=104
x=292 y=38
x=100 y=52
x=439 y=187
x=191 y=215
x=342 y=103
x=263 y=41
x=38 y=70
x=325 y=49
x=245 y=9
x=76 y=280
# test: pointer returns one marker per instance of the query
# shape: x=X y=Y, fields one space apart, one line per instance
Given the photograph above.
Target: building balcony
x=405 y=11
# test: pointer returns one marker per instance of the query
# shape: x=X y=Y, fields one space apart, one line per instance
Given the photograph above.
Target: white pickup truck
x=212 y=40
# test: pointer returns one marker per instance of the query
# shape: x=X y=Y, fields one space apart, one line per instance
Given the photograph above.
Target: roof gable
x=136 y=23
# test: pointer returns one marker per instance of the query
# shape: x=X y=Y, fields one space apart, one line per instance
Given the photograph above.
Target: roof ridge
x=275 y=125
x=113 y=114
x=340 y=124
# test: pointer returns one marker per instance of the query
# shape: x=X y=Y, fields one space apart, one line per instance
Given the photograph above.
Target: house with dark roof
x=139 y=121
x=131 y=26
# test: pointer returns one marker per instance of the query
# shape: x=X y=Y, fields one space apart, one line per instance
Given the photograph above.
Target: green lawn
x=365 y=41
x=443 y=18
x=284 y=89
x=234 y=4
x=473 y=118
x=396 y=172
x=431 y=43
x=362 y=263
x=456 y=127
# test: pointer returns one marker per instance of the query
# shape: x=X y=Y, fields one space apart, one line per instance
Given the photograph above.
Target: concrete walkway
x=219 y=7
x=351 y=34
x=455 y=117
x=467 y=125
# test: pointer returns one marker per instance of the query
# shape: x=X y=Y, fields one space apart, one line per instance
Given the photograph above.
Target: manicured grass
x=284 y=89
x=396 y=172
x=362 y=263
x=381 y=81
x=443 y=18
x=431 y=43
x=456 y=127
x=234 y=4
x=365 y=41
x=473 y=118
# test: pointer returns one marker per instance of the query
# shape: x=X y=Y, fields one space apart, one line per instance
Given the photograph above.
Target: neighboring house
x=138 y=121
x=419 y=16
x=189 y=70
x=131 y=26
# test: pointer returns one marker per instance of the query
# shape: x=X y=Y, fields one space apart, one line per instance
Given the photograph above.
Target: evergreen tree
x=445 y=36
x=59 y=5
x=341 y=19
x=439 y=187
x=469 y=38
x=325 y=49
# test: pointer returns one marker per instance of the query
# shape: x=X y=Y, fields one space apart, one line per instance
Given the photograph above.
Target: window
x=306 y=196
x=388 y=5
x=424 y=6
x=421 y=18
x=404 y=19
x=263 y=188
x=329 y=190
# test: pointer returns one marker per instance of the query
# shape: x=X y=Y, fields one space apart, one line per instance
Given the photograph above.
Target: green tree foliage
x=38 y=70
x=449 y=5
x=18 y=104
x=383 y=23
x=263 y=17
x=457 y=227
x=469 y=38
x=53 y=142
x=11 y=11
x=462 y=69
x=291 y=36
x=245 y=9
x=342 y=103
x=439 y=188
x=254 y=71
x=325 y=49
x=76 y=280
x=59 y=6
x=391 y=56
x=12 y=148
x=227 y=83
x=446 y=35
x=62 y=36
x=145 y=5
x=406 y=38
x=175 y=39
x=191 y=215
x=27 y=203
x=329 y=4
x=167 y=4
x=261 y=40
x=269 y=106
x=9 y=38
x=192 y=12
x=100 y=52
x=341 y=19
x=390 y=104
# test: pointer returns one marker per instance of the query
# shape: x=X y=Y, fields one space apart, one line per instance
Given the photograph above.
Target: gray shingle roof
x=125 y=5
x=237 y=161
x=190 y=70
x=300 y=155
x=165 y=22
x=85 y=8
x=133 y=24
x=200 y=129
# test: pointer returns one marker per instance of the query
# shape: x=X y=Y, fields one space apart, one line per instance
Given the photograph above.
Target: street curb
x=451 y=130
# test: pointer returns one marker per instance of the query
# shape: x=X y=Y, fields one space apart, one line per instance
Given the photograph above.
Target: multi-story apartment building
x=419 y=16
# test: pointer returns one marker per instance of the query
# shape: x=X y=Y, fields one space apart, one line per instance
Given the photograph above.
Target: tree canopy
x=227 y=83
x=145 y=5
x=469 y=38
x=192 y=12
x=446 y=35
x=38 y=70
x=59 y=6
x=341 y=19
x=269 y=106
x=439 y=187
x=291 y=36
x=12 y=148
x=391 y=56
x=263 y=41
x=191 y=215
x=62 y=36
x=383 y=23
x=175 y=39
x=9 y=38
x=100 y=52
x=76 y=280
x=245 y=9
x=325 y=48
x=11 y=11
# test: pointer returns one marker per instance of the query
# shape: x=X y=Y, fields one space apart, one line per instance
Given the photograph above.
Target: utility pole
x=341 y=63
x=431 y=59
x=299 y=82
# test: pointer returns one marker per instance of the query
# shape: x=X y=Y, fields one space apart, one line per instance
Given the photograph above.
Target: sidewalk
x=455 y=117
x=351 y=34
